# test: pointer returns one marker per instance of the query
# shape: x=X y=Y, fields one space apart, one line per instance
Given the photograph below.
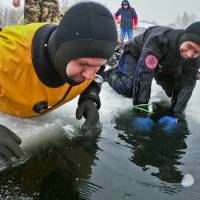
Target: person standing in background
x=127 y=17
x=40 y=10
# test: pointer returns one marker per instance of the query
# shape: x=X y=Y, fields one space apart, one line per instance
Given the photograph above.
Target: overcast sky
x=161 y=11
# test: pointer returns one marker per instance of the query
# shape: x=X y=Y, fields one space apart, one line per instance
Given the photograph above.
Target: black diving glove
x=10 y=152
x=89 y=110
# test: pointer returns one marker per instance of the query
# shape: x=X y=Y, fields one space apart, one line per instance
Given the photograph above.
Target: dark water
x=118 y=161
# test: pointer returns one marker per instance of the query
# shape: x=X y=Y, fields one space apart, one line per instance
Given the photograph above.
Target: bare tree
x=64 y=5
x=184 y=20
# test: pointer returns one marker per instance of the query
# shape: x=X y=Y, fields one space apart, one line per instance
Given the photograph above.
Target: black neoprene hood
x=192 y=33
x=87 y=30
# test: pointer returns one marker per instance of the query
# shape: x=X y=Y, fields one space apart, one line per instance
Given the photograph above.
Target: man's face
x=82 y=69
x=125 y=6
x=16 y=3
x=189 y=50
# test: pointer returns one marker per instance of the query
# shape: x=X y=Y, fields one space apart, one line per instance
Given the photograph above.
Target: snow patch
x=187 y=180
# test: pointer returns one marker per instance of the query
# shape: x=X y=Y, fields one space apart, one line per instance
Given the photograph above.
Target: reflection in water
x=58 y=170
x=156 y=147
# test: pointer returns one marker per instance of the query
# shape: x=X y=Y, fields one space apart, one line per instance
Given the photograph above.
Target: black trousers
x=121 y=79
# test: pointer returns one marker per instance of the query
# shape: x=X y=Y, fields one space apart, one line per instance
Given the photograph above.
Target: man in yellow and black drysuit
x=43 y=66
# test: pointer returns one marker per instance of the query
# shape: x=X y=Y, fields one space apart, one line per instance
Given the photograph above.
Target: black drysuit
x=155 y=54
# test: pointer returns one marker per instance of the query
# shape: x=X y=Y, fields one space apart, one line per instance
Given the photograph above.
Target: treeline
x=183 y=20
